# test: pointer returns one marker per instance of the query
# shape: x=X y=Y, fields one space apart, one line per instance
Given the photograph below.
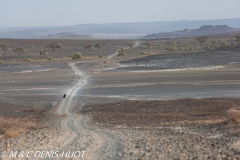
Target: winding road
x=96 y=143
x=137 y=43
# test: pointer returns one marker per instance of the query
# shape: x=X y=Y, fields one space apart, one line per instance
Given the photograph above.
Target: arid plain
x=125 y=99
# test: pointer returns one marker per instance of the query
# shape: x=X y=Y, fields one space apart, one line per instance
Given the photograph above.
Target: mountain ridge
x=137 y=29
x=68 y=35
x=202 y=31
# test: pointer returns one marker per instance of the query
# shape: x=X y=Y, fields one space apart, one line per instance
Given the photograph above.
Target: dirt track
x=94 y=142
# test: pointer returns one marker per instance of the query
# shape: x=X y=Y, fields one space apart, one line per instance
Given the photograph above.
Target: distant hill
x=67 y=35
x=123 y=30
x=202 y=31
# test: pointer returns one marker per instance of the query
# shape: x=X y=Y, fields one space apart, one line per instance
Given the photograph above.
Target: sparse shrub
x=11 y=133
x=100 y=45
x=1 y=61
x=92 y=49
x=19 y=50
x=214 y=44
x=196 y=47
x=158 y=46
x=148 y=44
x=105 y=62
x=210 y=46
x=66 y=49
x=223 y=43
x=104 y=53
x=13 y=127
x=182 y=47
x=202 y=40
x=185 y=47
x=43 y=52
x=238 y=39
x=55 y=46
x=233 y=115
x=121 y=52
x=4 y=47
x=171 y=46
x=171 y=43
x=207 y=47
x=50 y=58
x=100 y=55
x=27 y=60
x=76 y=55
x=191 y=48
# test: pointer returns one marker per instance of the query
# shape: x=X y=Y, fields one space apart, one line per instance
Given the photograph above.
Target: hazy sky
x=71 y=12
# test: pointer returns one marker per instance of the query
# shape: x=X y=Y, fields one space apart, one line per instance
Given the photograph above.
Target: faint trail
x=114 y=54
x=137 y=43
x=98 y=145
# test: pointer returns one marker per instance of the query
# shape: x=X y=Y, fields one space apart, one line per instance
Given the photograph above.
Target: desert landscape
x=125 y=99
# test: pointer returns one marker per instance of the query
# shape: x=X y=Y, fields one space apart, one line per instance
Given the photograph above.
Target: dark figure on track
x=64 y=96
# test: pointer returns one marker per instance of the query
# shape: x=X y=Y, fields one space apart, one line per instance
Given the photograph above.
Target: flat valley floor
x=115 y=111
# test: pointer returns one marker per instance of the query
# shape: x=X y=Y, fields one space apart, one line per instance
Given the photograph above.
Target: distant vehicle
x=64 y=96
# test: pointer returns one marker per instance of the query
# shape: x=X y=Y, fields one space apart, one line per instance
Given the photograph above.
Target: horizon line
x=114 y=23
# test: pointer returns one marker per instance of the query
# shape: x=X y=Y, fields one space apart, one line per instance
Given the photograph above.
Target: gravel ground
x=153 y=113
x=176 y=129
x=181 y=129
x=177 y=142
x=213 y=59
x=32 y=67
x=23 y=128
x=47 y=139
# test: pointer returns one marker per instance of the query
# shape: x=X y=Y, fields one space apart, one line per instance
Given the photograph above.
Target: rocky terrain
x=209 y=59
x=177 y=129
x=131 y=107
x=67 y=35
x=203 y=30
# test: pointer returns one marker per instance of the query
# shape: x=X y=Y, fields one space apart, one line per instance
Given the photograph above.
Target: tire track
x=137 y=43
x=100 y=145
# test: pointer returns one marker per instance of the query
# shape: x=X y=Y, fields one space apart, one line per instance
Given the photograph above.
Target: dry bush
x=11 y=133
x=13 y=127
x=233 y=115
x=76 y=55
x=27 y=60
x=55 y=46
